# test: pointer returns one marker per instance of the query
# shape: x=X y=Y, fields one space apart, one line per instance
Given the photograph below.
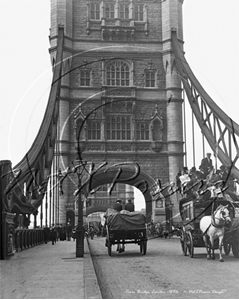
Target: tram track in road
x=164 y=272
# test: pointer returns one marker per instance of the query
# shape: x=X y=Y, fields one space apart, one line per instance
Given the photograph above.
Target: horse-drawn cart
x=191 y=235
x=125 y=229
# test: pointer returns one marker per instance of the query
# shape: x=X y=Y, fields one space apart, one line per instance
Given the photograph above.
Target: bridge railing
x=26 y=238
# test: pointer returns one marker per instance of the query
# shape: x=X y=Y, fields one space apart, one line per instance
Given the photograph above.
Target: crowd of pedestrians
x=55 y=233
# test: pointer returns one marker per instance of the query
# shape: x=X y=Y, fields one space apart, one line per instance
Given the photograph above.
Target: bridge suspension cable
x=34 y=170
x=220 y=131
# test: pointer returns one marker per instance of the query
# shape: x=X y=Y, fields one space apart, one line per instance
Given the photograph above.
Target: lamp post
x=79 y=228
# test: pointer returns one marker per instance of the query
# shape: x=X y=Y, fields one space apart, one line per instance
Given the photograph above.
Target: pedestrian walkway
x=49 y=272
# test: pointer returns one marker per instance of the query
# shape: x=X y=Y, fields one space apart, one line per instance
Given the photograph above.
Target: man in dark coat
x=129 y=206
x=46 y=232
x=206 y=164
x=53 y=235
x=118 y=206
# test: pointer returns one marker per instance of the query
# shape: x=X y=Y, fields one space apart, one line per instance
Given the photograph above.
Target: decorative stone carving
x=117 y=29
x=125 y=23
x=94 y=147
x=123 y=106
x=110 y=23
x=118 y=147
x=119 y=93
x=157 y=146
x=143 y=147
x=157 y=135
x=81 y=145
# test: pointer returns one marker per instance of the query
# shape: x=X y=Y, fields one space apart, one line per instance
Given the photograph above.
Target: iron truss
x=28 y=180
x=220 y=131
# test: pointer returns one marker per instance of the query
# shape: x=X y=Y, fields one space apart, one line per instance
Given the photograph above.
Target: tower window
x=124 y=11
x=139 y=12
x=118 y=128
x=93 y=130
x=95 y=11
x=110 y=11
x=117 y=74
x=85 y=78
x=150 y=79
x=142 y=131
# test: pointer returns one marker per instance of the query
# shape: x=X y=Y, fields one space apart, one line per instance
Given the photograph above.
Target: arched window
x=109 y=11
x=139 y=12
x=117 y=73
x=95 y=11
x=124 y=11
x=157 y=130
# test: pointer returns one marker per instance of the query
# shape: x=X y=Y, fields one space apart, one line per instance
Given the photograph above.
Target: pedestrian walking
x=46 y=232
x=68 y=231
x=53 y=235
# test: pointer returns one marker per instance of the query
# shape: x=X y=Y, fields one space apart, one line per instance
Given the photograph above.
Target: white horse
x=213 y=227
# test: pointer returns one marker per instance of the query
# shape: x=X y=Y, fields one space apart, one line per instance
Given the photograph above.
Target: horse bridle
x=223 y=219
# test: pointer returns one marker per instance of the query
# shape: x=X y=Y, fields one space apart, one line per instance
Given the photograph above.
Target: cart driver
x=118 y=206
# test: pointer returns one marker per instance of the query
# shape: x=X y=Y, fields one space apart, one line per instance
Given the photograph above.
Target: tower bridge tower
x=120 y=90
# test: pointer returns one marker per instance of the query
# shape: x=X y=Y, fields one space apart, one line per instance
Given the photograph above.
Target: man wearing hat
x=206 y=164
x=118 y=206
x=129 y=206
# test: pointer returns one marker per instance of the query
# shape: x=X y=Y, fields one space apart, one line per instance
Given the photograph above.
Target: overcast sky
x=211 y=44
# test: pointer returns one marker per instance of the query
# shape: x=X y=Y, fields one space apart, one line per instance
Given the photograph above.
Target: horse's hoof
x=208 y=258
x=221 y=260
x=213 y=257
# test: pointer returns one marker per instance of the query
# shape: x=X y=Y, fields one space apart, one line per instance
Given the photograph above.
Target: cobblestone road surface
x=164 y=272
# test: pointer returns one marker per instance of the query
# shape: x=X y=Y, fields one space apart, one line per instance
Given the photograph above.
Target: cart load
x=110 y=211
x=126 y=221
x=124 y=228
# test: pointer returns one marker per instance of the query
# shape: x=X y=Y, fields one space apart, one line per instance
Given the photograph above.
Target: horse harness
x=213 y=221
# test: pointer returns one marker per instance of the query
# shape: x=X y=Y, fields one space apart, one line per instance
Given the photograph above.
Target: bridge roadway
x=163 y=273
x=49 y=272
x=53 y=272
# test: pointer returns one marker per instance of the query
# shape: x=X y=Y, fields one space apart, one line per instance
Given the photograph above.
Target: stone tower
x=120 y=91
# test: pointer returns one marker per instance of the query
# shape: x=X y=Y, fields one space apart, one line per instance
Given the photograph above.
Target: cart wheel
x=144 y=247
x=190 y=244
x=109 y=248
x=226 y=247
x=235 y=244
x=183 y=241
